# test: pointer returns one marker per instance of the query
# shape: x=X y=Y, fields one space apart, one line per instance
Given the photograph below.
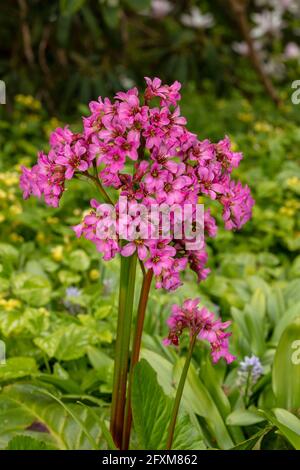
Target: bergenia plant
x=150 y=171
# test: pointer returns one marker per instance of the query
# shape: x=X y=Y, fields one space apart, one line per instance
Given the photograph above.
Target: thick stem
x=180 y=392
x=144 y=295
x=239 y=9
x=126 y=298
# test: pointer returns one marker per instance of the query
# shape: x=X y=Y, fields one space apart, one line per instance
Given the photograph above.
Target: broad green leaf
x=79 y=261
x=66 y=385
x=289 y=316
x=286 y=368
x=68 y=278
x=241 y=417
x=197 y=398
x=24 y=405
x=287 y=423
x=26 y=443
x=275 y=305
x=162 y=367
x=67 y=342
x=8 y=252
x=34 y=290
x=4 y=284
x=29 y=322
x=258 y=303
x=152 y=411
x=17 y=367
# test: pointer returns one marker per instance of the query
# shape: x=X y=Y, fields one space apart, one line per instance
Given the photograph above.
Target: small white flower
x=267 y=22
x=196 y=19
x=161 y=8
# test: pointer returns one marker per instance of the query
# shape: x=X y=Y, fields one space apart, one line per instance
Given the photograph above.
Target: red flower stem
x=126 y=298
x=144 y=295
x=180 y=392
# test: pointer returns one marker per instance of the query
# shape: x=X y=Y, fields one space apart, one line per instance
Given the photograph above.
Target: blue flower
x=250 y=368
x=71 y=300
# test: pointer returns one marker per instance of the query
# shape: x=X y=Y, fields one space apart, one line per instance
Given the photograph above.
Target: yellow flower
x=293 y=181
x=3 y=194
x=28 y=101
x=52 y=220
x=293 y=204
x=10 y=304
x=287 y=211
x=15 y=210
x=94 y=274
x=245 y=117
x=57 y=253
x=11 y=180
x=262 y=126
x=15 y=237
x=40 y=237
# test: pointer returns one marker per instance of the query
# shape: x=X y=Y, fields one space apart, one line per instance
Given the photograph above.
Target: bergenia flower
x=144 y=150
x=202 y=323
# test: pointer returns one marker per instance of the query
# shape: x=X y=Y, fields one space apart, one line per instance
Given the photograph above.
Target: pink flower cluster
x=200 y=322
x=69 y=154
x=170 y=166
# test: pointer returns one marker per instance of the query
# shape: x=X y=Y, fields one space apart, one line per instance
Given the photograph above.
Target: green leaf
x=70 y=7
x=289 y=316
x=252 y=441
x=196 y=398
x=286 y=368
x=139 y=5
x=287 y=423
x=8 y=252
x=68 y=278
x=26 y=443
x=152 y=412
x=22 y=405
x=17 y=367
x=79 y=261
x=30 y=322
x=241 y=417
x=67 y=342
x=34 y=290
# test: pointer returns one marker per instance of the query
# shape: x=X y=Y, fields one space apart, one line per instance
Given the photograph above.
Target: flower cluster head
x=202 y=323
x=140 y=147
x=250 y=369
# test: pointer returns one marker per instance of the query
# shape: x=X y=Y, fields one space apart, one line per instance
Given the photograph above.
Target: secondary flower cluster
x=171 y=166
x=200 y=322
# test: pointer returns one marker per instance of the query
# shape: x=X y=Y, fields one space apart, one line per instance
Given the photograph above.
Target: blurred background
x=66 y=52
x=237 y=61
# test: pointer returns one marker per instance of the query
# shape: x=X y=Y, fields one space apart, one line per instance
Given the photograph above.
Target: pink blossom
x=202 y=323
x=171 y=166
